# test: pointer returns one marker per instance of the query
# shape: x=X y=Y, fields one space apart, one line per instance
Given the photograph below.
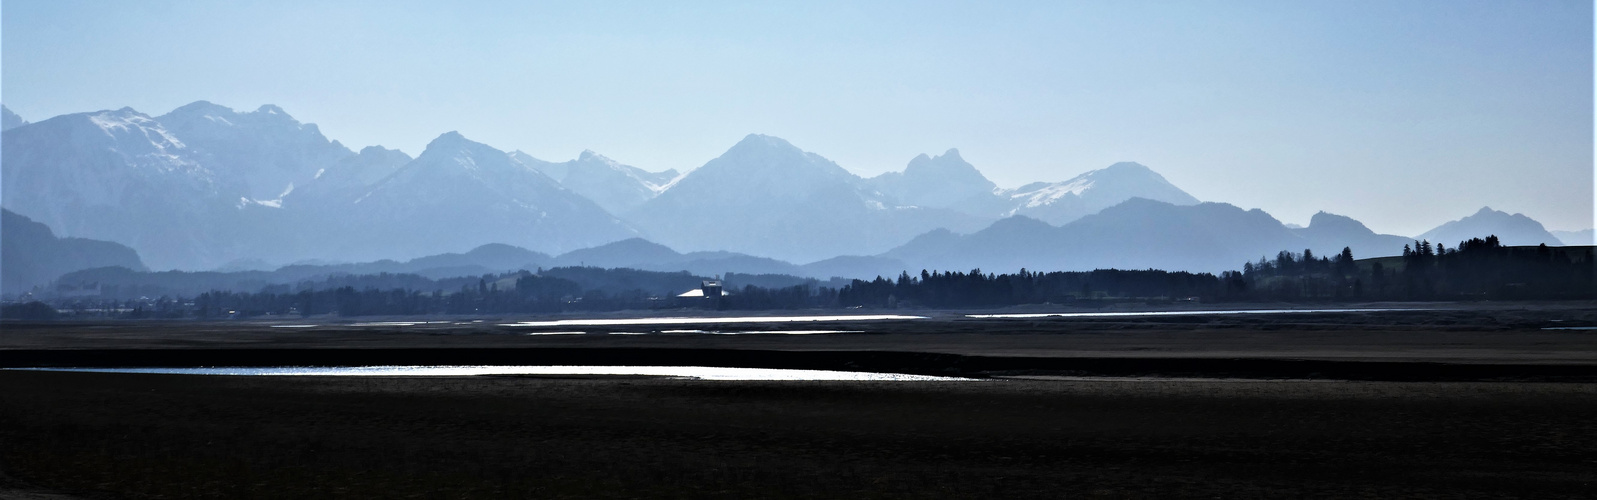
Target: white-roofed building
x=708 y=294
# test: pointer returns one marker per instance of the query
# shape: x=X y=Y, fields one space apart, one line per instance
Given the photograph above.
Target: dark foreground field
x=175 y=436
x=1452 y=400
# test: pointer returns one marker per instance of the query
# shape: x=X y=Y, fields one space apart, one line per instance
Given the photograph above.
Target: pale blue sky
x=1402 y=114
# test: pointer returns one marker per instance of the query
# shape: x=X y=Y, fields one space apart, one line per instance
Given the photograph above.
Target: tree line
x=1476 y=269
x=976 y=289
x=520 y=293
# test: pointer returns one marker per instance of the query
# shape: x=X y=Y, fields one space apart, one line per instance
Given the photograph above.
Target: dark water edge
x=913 y=363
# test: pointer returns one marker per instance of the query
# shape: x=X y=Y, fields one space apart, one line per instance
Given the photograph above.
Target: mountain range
x=206 y=187
x=121 y=176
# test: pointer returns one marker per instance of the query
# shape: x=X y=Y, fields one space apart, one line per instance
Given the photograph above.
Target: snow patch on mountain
x=258 y=153
x=1062 y=202
x=1042 y=194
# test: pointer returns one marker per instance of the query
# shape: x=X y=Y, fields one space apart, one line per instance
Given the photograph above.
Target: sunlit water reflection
x=762 y=332
x=710 y=321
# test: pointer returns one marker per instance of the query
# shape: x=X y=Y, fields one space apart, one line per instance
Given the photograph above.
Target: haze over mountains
x=615 y=187
x=1516 y=229
x=459 y=191
x=1208 y=237
x=205 y=186
x=9 y=120
x=767 y=197
x=944 y=181
x=1572 y=238
x=121 y=176
x=30 y=254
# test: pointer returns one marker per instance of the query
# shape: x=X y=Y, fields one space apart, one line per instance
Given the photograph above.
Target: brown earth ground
x=176 y=436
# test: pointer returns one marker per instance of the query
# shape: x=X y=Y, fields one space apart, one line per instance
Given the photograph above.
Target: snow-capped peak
x=126 y=120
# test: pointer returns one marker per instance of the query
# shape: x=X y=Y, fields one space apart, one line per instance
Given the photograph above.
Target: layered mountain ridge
x=31 y=255
x=765 y=196
x=119 y=176
x=205 y=186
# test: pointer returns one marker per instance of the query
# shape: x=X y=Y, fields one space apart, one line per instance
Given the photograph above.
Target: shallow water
x=1176 y=313
x=687 y=372
x=761 y=332
x=399 y=323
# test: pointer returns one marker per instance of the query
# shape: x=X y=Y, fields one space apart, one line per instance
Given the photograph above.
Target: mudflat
x=181 y=436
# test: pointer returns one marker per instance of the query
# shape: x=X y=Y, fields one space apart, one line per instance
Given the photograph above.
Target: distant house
x=708 y=294
x=707 y=288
